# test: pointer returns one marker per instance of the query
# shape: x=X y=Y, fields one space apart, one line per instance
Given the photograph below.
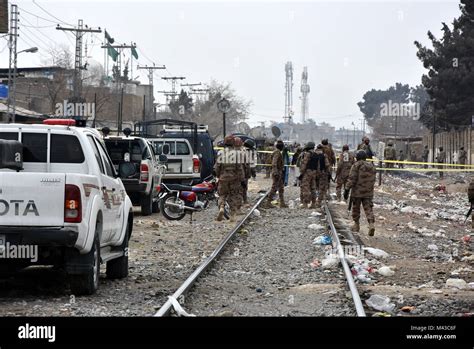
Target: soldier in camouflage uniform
x=441 y=159
x=390 y=154
x=327 y=149
x=229 y=172
x=361 y=182
x=242 y=173
x=365 y=146
x=470 y=195
x=346 y=160
x=462 y=158
x=308 y=177
x=277 y=177
x=425 y=155
x=322 y=174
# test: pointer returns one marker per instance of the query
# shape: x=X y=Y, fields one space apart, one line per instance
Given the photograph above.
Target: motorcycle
x=177 y=199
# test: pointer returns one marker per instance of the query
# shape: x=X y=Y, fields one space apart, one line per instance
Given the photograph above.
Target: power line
x=47 y=37
x=32 y=14
x=60 y=21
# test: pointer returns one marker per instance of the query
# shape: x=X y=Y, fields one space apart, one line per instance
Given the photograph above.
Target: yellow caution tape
x=417 y=169
x=418 y=163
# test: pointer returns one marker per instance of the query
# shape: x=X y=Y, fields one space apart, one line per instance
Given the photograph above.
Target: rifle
x=349 y=208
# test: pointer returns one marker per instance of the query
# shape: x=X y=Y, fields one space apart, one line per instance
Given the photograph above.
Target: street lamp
x=224 y=106
x=15 y=56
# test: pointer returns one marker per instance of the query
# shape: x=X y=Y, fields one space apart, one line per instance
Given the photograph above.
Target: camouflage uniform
x=470 y=195
x=362 y=181
x=308 y=182
x=277 y=178
x=390 y=154
x=367 y=148
x=331 y=156
x=441 y=158
x=230 y=175
x=424 y=156
x=322 y=178
x=401 y=157
x=346 y=160
x=462 y=157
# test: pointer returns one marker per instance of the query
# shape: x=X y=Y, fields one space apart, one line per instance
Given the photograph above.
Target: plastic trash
x=432 y=247
x=376 y=252
x=414 y=197
x=316 y=226
x=385 y=271
x=256 y=213
x=329 y=262
x=380 y=303
x=363 y=278
x=316 y=214
x=456 y=283
x=466 y=239
x=322 y=240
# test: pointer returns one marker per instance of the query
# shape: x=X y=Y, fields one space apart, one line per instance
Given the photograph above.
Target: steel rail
x=347 y=271
x=186 y=286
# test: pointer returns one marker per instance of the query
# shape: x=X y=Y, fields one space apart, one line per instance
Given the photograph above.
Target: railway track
x=174 y=301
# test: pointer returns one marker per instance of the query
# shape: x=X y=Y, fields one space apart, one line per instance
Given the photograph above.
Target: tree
x=450 y=78
x=182 y=108
x=206 y=112
x=395 y=111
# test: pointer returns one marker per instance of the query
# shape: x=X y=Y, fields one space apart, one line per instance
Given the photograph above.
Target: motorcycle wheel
x=169 y=212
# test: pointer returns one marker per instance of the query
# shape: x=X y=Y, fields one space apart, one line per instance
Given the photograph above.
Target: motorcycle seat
x=180 y=187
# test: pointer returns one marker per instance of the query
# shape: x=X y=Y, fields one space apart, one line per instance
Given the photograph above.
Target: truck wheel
x=118 y=268
x=88 y=283
x=146 y=202
x=155 y=207
x=170 y=212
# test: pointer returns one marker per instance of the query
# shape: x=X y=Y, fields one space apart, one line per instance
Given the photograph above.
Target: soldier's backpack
x=316 y=162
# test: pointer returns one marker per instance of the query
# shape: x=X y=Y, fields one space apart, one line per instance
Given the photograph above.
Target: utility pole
x=119 y=58
x=199 y=91
x=151 y=69
x=173 y=83
x=78 y=67
x=12 y=43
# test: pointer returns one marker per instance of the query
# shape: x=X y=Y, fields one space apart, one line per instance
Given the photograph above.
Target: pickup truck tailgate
x=32 y=199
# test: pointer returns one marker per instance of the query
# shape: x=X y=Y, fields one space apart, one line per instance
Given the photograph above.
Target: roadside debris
x=315 y=226
x=329 y=262
x=385 y=271
x=256 y=213
x=456 y=283
x=322 y=240
x=380 y=303
x=376 y=252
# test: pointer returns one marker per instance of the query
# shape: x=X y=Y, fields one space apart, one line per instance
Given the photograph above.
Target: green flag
x=112 y=52
x=134 y=53
x=109 y=38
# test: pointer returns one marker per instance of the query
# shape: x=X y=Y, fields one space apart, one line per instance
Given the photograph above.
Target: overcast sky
x=349 y=47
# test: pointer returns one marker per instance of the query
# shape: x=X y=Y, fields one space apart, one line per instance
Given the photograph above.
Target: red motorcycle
x=177 y=199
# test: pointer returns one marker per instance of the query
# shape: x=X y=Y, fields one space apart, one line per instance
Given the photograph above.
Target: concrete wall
x=451 y=142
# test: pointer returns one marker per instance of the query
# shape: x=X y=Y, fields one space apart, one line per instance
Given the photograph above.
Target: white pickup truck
x=63 y=196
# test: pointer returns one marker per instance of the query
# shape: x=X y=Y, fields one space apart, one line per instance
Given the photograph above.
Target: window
x=96 y=153
x=108 y=165
x=34 y=147
x=66 y=149
x=176 y=148
x=9 y=136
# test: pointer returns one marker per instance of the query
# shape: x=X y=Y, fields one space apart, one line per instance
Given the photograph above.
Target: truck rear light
x=196 y=165
x=144 y=173
x=72 y=204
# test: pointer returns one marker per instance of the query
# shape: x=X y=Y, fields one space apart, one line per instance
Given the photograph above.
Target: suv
x=144 y=177
x=60 y=195
x=183 y=166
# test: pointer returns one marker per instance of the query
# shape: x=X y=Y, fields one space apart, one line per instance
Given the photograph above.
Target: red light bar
x=62 y=122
